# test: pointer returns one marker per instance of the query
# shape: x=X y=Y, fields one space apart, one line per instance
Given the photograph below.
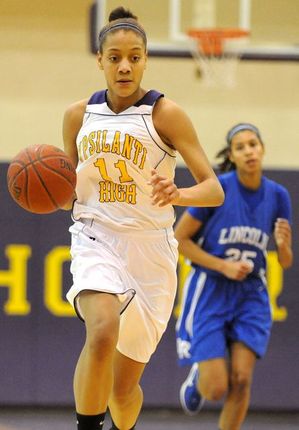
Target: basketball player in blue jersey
x=123 y=141
x=225 y=322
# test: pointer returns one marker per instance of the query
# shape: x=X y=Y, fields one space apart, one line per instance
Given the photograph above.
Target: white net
x=217 y=57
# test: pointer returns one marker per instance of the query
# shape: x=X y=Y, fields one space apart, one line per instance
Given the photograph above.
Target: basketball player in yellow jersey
x=123 y=141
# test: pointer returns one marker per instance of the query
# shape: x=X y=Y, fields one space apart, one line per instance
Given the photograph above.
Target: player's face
x=247 y=152
x=123 y=61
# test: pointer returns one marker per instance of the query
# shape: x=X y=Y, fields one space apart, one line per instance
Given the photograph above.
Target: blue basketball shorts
x=216 y=312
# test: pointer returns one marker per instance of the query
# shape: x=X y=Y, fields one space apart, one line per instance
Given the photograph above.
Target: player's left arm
x=176 y=130
x=282 y=228
x=283 y=240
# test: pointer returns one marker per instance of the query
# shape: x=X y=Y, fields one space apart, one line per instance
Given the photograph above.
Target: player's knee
x=102 y=337
x=240 y=382
x=123 y=393
x=214 y=391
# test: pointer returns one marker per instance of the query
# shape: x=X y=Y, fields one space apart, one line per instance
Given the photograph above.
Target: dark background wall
x=41 y=338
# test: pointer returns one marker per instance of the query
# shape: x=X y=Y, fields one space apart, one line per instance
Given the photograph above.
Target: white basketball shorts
x=139 y=267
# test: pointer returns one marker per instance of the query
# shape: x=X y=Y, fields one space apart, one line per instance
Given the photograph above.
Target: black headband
x=241 y=127
x=121 y=25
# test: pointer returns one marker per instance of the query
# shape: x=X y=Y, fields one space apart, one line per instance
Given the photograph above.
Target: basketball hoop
x=216 y=52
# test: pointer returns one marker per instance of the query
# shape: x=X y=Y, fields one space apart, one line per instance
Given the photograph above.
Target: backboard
x=273 y=24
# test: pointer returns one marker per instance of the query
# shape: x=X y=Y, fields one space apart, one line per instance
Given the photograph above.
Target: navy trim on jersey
x=98 y=98
x=148 y=99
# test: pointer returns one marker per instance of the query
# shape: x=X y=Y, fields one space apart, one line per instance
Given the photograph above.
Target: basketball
x=41 y=178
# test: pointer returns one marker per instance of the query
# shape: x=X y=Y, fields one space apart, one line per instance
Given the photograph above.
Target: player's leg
x=207 y=380
x=236 y=403
x=252 y=327
x=94 y=371
x=213 y=381
x=151 y=261
x=201 y=337
x=126 y=397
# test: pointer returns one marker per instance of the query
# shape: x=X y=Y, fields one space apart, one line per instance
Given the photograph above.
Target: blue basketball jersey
x=240 y=229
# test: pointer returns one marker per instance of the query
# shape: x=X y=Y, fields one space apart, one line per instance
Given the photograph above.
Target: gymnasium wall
x=41 y=338
x=46 y=65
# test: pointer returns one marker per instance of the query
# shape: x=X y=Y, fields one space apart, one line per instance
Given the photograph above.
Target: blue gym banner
x=41 y=338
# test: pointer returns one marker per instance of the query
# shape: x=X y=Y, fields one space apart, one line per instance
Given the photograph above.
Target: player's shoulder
x=167 y=106
x=273 y=184
x=276 y=187
x=227 y=178
x=76 y=108
x=74 y=112
x=168 y=115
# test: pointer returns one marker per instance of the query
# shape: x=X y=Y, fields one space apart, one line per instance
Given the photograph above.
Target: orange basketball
x=41 y=178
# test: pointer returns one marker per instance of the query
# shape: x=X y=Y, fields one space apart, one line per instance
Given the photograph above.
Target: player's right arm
x=72 y=123
x=185 y=230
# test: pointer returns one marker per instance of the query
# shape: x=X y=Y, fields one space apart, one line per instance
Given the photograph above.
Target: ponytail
x=225 y=165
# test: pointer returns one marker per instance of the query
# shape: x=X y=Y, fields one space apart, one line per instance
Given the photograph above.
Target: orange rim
x=211 y=40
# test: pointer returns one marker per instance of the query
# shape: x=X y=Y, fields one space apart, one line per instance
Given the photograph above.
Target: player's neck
x=119 y=104
x=250 y=180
